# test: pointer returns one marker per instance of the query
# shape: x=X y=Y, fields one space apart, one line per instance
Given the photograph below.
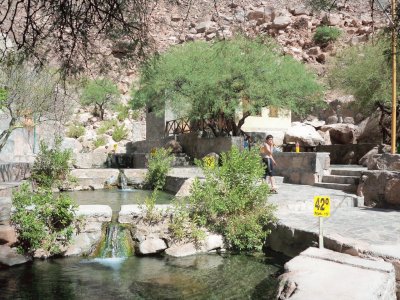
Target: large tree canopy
x=365 y=72
x=69 y=27
x=204 y=81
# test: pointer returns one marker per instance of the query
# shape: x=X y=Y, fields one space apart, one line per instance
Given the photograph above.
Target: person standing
x=269 y=162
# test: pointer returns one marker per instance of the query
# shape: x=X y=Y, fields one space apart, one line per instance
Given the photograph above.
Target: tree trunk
x=6 y=133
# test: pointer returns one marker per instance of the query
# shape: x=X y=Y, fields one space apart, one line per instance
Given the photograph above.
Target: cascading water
x=123 y=181
x=117 y=242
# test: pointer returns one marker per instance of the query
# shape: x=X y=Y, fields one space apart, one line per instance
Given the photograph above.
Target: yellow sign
x=322 y=206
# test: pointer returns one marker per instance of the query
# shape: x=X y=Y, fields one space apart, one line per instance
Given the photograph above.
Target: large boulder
x=8 y=235
x=370 y=130
x=281 y=22
x=95 y=159
x=368 y=158
x=381 y=188
x=151 y=246
x=266 y=14
x=385 y=161
x=175 y=146
x=326 y=274
x=342 y=133
x=71 y=143
x=305 y=134
x=86 y=241
x=10 y=257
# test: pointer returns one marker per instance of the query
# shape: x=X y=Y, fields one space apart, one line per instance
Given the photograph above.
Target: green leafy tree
x=102 y=93
x=365 y=72
x=213 y=82
x=29 y=96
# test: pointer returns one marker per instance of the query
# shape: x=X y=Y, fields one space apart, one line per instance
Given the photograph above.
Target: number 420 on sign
x=322 y=206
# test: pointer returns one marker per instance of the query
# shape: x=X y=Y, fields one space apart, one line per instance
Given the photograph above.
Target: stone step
x=346 y=172
x=347 y=187
x=341 y=179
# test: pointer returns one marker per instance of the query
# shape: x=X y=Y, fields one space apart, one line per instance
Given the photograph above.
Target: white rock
x=304 y=134
x=151 y=246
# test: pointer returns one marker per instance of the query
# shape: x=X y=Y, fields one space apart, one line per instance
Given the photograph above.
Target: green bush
x=325 y=34
x=75 y=131
x=107 y=125
x=153 y=215
x=52 y=165
x=158 y=166
x=99 y=141
x=233 y=200
x=42 y=220
x=119 y=133
x=123 y=112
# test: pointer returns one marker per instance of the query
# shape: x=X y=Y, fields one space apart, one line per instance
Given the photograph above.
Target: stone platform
x=324 y=274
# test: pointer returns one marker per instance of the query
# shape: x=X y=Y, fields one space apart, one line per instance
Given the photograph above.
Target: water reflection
x=195 y=277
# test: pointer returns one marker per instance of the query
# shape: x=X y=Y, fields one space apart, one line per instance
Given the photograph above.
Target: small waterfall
x=123 y=180
x=117 y=242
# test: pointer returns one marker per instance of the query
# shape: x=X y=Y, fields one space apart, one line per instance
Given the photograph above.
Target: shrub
x=100 y=141
x=75 y=131
x=51 y=167
x=325 y=34
x=232 y=200
x=42 y=220
x=107 y=125
x=153 y=215
x=123 y=112
x=120 y=132
x=158 y=166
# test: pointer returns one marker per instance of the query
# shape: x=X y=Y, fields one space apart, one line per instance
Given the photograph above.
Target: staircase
x=342 y=177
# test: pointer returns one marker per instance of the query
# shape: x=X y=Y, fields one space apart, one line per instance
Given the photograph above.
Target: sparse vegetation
x=326 y=34
x=75 y=131
x=119 y=133
x=123 y=112
x=107 y=125
x=99 y=141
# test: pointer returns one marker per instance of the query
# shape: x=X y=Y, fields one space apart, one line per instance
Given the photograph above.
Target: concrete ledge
x=129 y=212
x=94 y=178
x=302 y=168
x=324 y=274
x=95 y=213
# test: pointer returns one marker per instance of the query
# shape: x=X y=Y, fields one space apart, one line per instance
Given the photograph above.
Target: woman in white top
x=269 y=162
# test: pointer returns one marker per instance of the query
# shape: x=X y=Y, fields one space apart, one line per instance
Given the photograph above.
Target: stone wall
x=302 y=168
x=197 y=147
x=347 y=153
x=14 y=171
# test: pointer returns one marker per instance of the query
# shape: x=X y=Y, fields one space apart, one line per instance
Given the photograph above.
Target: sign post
x=322 y=209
